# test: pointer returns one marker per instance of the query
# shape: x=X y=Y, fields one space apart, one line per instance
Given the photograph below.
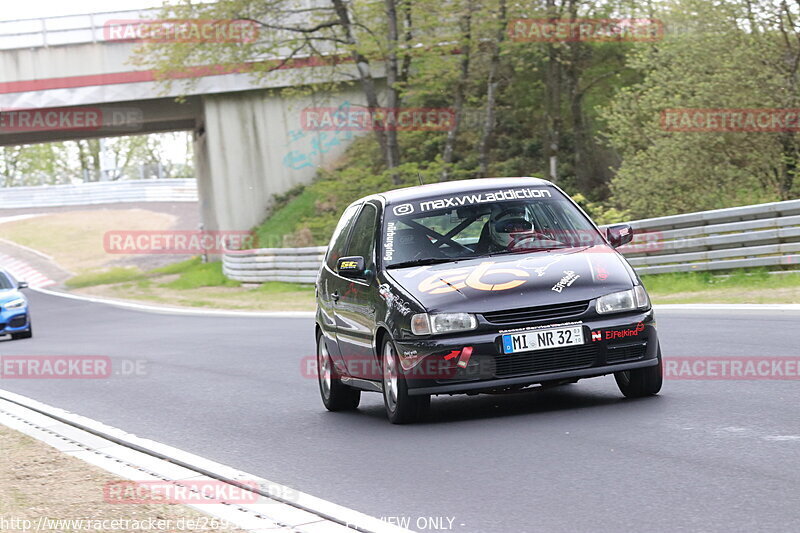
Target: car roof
x=457 y=187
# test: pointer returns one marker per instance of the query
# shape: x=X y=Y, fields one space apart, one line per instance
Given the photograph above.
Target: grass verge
x=193 y=283
x=754 y=286
x=75 y=238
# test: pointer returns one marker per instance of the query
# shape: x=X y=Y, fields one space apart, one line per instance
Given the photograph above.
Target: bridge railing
x=67 y=29
x=764 y=235
x=101 y=192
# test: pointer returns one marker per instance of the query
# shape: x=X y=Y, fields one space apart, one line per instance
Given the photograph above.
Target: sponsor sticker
x=403 y=209
x=388 y=244
x=484 y=197
x=393 y=300
x=569 y=278
x=484 y=277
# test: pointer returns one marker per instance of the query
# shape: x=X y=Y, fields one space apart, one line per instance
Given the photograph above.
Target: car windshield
x=442 y=229
x=5 y=282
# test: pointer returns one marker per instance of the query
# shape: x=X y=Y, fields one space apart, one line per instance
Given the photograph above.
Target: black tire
x=335 y=395
x=27 y=334
x=642 y=381
x=401 y=408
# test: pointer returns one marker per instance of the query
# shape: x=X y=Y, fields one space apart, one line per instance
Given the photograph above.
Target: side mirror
x=619 y=234
x=22 y=285
x=351 y=267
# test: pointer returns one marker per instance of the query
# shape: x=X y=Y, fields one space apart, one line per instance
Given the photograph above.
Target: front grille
x=533 y=314
x=17 y=321
x=568 y=358
x=626 y=352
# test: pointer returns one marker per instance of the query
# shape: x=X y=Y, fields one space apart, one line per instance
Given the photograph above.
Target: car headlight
x=14 y=304
x=622 y=301
x=433 y=324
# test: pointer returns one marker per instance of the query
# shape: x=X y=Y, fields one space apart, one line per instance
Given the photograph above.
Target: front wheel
x=641 y=381
x=400 y=407
x=335 y=395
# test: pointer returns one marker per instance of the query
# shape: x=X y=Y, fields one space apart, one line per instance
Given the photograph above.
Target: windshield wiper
x=423 y=261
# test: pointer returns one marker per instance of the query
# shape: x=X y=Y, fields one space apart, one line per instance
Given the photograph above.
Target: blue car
x=15 y=320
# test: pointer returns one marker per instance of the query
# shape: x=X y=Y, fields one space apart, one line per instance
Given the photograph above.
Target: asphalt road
x=703 y=455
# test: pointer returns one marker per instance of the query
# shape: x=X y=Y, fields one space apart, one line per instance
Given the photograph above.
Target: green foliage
x=714 y=65
x=201 y=275
x=601 y=213
x=601 y=101
x=180 y=267
x=288 y=217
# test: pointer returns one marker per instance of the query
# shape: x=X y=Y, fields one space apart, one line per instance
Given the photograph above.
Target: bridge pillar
x=251 y=145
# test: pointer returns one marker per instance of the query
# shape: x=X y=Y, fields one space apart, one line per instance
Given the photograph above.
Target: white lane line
x=24 y=272
x=131 y=456
x=727 y=307
x=180 y=310
x=14 y=218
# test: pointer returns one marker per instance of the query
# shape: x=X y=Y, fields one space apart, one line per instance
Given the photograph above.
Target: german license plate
x=542 y=339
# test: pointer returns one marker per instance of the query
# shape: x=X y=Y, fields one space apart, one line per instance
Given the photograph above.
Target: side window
x=363 y=240
x=339 y=239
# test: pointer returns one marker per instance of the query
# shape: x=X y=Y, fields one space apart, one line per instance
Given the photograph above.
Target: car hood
x=517 y=280
x=6 y=295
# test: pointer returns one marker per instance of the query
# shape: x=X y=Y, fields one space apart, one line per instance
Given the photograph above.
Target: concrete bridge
x=67 y=78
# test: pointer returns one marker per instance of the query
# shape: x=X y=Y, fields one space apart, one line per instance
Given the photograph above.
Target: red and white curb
x=24 y=272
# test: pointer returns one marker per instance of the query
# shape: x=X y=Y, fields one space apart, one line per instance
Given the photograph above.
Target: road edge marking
x=326 y=510
x=126 y=304
x=727 y=307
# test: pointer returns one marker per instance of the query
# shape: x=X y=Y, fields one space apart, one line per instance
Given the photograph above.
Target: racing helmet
x=508 y=223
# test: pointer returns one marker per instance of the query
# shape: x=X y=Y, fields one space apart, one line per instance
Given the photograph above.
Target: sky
x=14 y=9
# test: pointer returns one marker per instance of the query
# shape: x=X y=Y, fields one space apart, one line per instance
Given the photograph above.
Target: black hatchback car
x=485 y=285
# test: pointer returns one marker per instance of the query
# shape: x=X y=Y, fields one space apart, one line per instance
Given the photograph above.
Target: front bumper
x=14 y=321
x=611 y=344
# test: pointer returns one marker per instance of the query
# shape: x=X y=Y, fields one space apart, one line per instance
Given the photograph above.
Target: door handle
x=335 y=296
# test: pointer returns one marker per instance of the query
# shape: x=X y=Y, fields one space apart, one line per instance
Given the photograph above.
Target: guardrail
x=297 y=265
x=763 y=235
x=101 y=192
x=738 y=237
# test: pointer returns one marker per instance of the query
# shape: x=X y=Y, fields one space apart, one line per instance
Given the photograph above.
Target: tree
x=736 y=55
